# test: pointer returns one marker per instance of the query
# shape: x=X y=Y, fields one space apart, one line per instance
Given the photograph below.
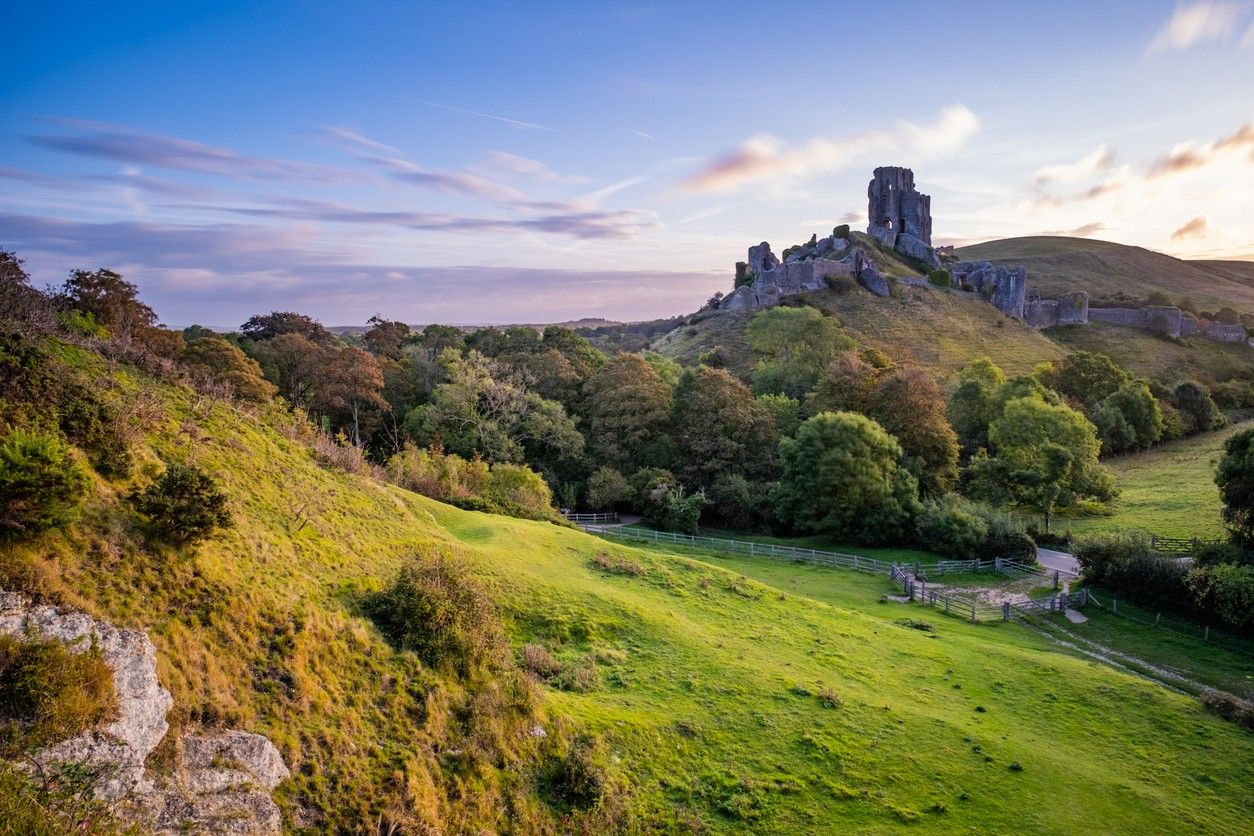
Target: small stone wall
x=1161 y=319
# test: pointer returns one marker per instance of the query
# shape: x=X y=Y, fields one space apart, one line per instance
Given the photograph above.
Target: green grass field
x=735 y=695
x=1168 y=490
x=1146 y=355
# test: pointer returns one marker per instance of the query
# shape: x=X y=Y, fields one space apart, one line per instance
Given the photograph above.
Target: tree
x=184 y=506
x=1044 y=456
x=910 y=406
x=110 y=299
x=214 y=357
x=516 y=487
x=41 y=484
x=293 y=363
x=784 y=410
x=607 y=488
x=627 y=407
x=1085 y=376
x=1235 y=478
x=1197 y=408
x=22 y=306
x=793 y=346
x=719 y=428
x=840 y=476
x=971 y=406
x=385 y=338
x=349 y=388
x=278 y=323
x=847 y=385
x=1140 y=414
x=474 y=412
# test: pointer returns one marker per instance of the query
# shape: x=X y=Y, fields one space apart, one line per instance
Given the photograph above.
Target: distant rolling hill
x=1058 y=265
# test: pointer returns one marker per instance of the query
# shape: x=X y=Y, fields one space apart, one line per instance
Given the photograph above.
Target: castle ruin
x=900 y=219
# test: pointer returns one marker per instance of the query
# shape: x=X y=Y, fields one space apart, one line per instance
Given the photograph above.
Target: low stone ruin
x=1006 y=287
x=764 y=280
x=221 y=782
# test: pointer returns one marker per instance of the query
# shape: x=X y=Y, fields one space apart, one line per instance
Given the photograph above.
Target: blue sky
x=544 y=161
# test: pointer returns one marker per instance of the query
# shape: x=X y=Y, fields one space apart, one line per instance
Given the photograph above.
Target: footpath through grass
x=1168 y=490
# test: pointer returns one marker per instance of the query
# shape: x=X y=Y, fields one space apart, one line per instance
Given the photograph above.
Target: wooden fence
x=592 y=519
x=1185 y=546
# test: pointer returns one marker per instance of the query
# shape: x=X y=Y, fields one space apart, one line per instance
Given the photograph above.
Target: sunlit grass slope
x=710 y=681
x=1146 y=355
x=1168 y=490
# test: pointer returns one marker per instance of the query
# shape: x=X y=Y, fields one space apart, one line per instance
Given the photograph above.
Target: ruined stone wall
x=1162 y=319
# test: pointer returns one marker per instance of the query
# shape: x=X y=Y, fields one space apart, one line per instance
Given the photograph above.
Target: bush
x=520 y=490
x=49 y=693
x=581 y=777
x=1225 y=591
x=92 y=424
x=615 y=565
x=670 y=508
x=738 y=502
x=41 y=485
x=607 y=488
x=939 y=278
x=1197 y=408
x=1229 y=707
x=944 y=526
x=184 y=506
x=1235 y=478
x=436 y=609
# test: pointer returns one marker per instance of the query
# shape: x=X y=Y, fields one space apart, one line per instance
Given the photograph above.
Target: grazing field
x=1059 y=265
x=1168 y=490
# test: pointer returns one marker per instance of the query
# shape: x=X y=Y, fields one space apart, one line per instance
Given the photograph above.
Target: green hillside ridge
x=727 y=704
x=1103 y=269
x=1148 y=355
x=940 y=331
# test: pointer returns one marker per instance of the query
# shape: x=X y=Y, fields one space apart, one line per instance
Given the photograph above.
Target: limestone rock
x=871 y=279
x=222 y=781
x=1225 y=333
x=1005 y=287
x=908 y=244
x=119 y=748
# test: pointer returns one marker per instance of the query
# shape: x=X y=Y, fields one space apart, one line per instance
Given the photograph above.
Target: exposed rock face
x=119 y=748
x=761 y=259
x=1006 y=287
x=221 y=783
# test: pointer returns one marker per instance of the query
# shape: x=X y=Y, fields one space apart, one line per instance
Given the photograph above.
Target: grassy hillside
x=1059 y=265
x=1169 y=490
x=1147 y=355
x=728 y=704
x=940 y=331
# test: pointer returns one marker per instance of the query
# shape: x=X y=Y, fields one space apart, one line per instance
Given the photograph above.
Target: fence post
x=1206 y=637
x=1055 y=579
x=1005 y=610
x=1154 y=542
x=997 y=563
x=1114 y=605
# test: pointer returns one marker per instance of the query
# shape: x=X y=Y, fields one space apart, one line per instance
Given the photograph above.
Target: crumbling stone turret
x=899 y=215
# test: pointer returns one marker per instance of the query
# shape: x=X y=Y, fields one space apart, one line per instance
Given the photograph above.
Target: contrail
x=517 y=123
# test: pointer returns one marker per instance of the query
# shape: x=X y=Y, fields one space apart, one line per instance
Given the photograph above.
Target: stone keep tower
x=895 y=209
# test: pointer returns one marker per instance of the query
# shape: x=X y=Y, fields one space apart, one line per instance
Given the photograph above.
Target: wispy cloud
x=1095 y=162
x=1197 y=23
x=1081 y=231
x=765 y=157
x=1196 y=228
x=526 y=167
x=513 y=123
x=128 y=145
x=356 y=140
x=1189 y=155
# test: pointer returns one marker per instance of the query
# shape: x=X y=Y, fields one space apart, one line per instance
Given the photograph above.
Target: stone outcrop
x=1006 y=287
x=221 y=783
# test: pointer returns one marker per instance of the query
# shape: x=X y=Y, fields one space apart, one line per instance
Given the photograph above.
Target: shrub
x=41 y=485
x=1216 y=554
x=617 y=565
x=92 y=424
x=1125 y=564
x=436 y=609
x=581 y=777
x=1228 y=316
x=1229 y=707
x=519 y=490
x=184 y=506
x=1234 y=394
x=537 y=659
x=607 y=488
x=49 y=692
x=939 y=278
x=1225 y=591
x=946 y=527
x=828 y=698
